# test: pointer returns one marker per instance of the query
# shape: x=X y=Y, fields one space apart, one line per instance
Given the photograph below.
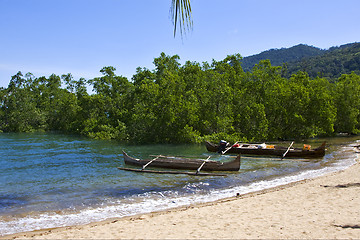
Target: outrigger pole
x=172 y=172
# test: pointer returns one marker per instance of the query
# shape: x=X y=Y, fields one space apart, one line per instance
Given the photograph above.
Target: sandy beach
x=327 y=207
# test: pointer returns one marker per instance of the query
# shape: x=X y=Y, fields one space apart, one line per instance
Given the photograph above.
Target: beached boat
x=184 y=163
x=268 y=150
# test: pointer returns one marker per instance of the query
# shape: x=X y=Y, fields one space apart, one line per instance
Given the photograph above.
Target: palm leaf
x=181 y=14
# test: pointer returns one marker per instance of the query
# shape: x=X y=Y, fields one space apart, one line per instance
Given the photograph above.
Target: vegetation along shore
x=186 y=103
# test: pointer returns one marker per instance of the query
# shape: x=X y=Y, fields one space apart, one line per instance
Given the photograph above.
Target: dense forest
x=331 y=63
x=193 y=102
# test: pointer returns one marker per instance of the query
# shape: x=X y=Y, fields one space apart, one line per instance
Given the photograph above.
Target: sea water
x=51 y=180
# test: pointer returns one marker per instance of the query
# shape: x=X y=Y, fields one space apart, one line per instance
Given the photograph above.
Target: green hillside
x=331 y=63
x=284 y=55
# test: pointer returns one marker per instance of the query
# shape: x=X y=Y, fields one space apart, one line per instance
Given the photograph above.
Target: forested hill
x=284 y=55
x=331 y=63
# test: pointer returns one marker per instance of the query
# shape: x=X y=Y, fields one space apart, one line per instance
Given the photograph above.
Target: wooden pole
x=171 y=172
x=198 y=170
x=228 y=148
x=149 y=162
x=287 y=150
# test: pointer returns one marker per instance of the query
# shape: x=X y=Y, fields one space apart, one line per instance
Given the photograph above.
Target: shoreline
x=321 y=207
x=141 y=216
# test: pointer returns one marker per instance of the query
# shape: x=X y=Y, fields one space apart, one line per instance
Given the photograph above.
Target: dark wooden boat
x=184 y=163
x=269 y=150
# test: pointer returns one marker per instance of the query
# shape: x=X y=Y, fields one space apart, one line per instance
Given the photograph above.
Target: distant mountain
x=284 y=55
x=330 y=63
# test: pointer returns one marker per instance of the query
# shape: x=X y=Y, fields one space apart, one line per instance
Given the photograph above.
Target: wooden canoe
x=269 y=150
x=185 y=163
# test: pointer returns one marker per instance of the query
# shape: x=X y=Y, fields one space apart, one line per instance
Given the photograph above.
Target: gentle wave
x=142 y=203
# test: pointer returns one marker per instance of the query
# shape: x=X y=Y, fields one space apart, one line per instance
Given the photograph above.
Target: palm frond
x=181 y=13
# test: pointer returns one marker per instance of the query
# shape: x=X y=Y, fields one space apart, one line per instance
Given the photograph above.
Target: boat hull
x=185 y=163
x=275 y=151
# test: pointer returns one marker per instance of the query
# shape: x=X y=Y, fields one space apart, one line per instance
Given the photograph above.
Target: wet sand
x=327 y=207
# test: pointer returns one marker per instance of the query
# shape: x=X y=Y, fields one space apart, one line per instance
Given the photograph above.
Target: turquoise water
x=51 y=180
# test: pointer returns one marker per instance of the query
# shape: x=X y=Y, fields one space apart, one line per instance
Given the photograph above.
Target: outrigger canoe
x=184 y=163
x=268 y=150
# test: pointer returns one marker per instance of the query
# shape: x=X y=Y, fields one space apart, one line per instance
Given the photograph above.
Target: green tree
x=107 y=121
x=321 y=111
x=155 y=101
x=2 y=108
x=348 y=104
x=266 y=90
x=19 y=106
x=141 y=104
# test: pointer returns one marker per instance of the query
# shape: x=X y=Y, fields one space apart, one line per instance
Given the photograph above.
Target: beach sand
x=327 y=207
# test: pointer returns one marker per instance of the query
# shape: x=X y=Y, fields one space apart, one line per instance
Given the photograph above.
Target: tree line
x=187 y=103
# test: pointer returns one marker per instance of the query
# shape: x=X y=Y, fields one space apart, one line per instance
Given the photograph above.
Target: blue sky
x=82 y=36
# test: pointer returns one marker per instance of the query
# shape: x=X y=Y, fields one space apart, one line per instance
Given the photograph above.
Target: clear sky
x=82 y=36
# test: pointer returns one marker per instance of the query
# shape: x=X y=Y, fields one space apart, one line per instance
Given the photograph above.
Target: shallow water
x=51 y=180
